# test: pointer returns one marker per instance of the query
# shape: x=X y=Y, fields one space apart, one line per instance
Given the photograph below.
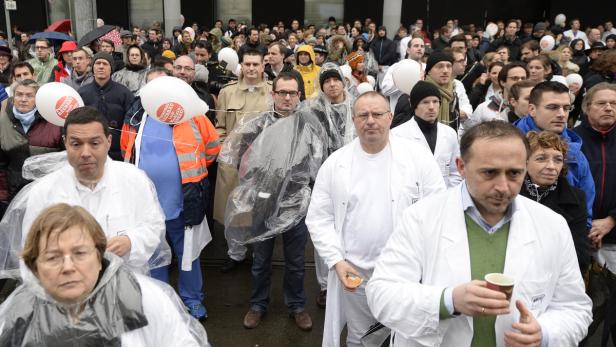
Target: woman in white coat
x=427 y=261
x=425 y=129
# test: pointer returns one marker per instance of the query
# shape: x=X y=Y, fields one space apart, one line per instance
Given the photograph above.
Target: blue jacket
x=578 y=173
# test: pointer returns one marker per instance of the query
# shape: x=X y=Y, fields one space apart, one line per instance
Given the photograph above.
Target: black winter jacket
x=113 y=101
x=600 y=150
x=569 y=202
x=384 y=50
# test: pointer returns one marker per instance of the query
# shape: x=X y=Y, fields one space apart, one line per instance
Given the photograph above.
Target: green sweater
x=487 y=253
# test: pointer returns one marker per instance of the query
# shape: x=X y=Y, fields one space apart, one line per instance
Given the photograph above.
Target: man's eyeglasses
x=185 y=68
x=516 y=78
x=555 y=107
x=375 y=115
x=285 y=93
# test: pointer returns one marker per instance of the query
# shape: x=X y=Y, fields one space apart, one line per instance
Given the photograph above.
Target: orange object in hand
x=354 y=281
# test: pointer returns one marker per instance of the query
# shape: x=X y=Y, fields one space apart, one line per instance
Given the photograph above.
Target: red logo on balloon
x=170 y=112
x=65 y=105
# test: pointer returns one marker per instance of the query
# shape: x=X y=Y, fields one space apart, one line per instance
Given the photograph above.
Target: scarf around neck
x=447 y=96
x=26 y=119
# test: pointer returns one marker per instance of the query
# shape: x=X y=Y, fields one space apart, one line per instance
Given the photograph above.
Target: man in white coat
x=428 y=284
x=358 y=194
x=415 y=50
x=120 y=196
x=425 y=129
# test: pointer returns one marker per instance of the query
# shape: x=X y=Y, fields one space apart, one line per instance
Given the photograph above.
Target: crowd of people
x=499 y=158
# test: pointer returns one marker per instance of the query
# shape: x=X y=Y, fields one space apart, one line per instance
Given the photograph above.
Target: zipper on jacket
x=603 y=169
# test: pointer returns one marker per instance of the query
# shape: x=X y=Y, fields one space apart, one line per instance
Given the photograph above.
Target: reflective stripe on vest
x=192 y=158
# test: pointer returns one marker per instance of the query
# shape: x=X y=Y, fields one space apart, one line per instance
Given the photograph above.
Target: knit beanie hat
x=329 y=70
x=436 y=57
x=103 y=55
x=422 y=90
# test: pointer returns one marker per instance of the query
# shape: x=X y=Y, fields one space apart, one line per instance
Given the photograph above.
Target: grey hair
x=25 y=83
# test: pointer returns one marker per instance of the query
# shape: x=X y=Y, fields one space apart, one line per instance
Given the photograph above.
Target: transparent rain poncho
x=11 y=241
x=278 y=161
x=123 y=309
x=336 y=119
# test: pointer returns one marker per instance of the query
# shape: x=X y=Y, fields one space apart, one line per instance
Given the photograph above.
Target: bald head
x=184 y=68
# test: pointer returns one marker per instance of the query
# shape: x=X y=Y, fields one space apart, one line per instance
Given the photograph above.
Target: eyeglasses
x=78 y=256
x=185 y=68
x=375 y=115
x=516 y=78
x=285 y=93
x=555 y=107
x=604 y=104
x=24 y=96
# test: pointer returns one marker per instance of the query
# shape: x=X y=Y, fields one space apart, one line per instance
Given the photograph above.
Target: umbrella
x=52 y=36
x=62 y=25
x=114 y=36
x=94 y=34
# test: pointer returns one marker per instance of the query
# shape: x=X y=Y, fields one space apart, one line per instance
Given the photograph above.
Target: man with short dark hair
x=428 y=284
x=81 y=74
x=237 y=101
x=43 y=62
x=253 y=43
x=276 y=65
x=415 y=51
x=264 y=135
x=153 y=45
x=110 y=98
x=117 y=194
x=528 y=50
x=576 y=33
x=548 y=109
x=509 y=40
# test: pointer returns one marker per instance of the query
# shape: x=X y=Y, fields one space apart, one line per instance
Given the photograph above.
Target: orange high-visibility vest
x=196 y=145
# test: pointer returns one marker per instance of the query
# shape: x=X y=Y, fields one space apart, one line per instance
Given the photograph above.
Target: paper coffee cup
x=501 y=283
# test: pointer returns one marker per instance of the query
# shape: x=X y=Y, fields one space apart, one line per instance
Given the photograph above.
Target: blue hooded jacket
x=578 y=174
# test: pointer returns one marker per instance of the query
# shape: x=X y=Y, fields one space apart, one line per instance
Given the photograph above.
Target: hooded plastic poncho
x=278 y=161
x=35 y=168
x=123 y=309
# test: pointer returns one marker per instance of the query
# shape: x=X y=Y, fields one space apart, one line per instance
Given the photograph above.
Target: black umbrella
x=54 y=37
x=94 y=34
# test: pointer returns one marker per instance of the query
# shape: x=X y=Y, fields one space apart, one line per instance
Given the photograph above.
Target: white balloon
x=547 y=43
x=406 y=74
x=56 y=100
x=364 y=87
x=230 y=58
x=491 y=29
x=170 y=100
x=560 y=19
x=371 y=80
x=574 y=78
x=347 y=72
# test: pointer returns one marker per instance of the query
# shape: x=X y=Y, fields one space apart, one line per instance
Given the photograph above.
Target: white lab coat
x=483 y=113
x=195 y=237
x=428 y=252
x=128 y=206
x=414 y=174
x=446 y=150
x=463 y=102
x=166 y=323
